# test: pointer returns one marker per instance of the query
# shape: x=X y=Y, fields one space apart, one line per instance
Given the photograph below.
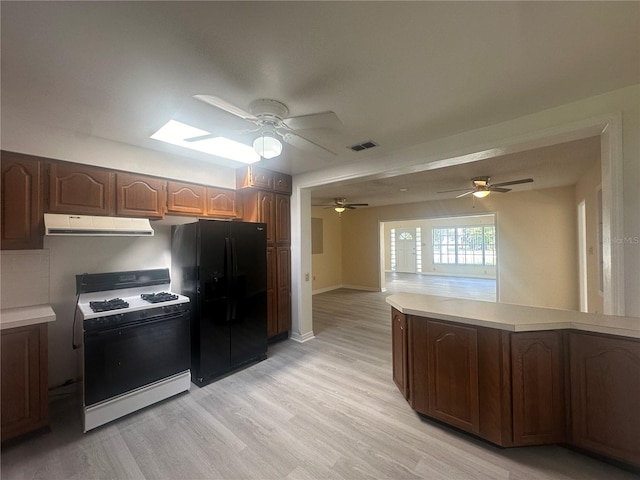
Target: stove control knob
x=143 y=314
x=166 y=309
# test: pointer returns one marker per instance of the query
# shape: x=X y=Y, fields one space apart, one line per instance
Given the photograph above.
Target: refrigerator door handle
x=232 y=278
x=228 y=263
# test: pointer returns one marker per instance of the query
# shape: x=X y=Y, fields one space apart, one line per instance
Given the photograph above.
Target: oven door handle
x=137 y=323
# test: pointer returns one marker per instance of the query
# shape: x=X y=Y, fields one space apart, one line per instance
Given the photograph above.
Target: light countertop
x=23 y=316
x=514 y=318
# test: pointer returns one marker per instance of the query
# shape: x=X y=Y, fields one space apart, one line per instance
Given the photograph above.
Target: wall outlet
x=306 y=277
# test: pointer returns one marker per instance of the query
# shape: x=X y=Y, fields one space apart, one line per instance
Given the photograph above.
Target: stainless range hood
x=92 y=226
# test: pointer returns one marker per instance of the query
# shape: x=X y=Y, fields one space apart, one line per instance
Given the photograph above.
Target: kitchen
x=55 y=139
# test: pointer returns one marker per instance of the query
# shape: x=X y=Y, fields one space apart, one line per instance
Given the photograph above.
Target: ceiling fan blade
x=498 y=189
x=314 y=120
x=465 y=194
x=357 y=204
x=454 y=190
x=513 y=182
x=226 y=106
x=201 y=137
x=307 y=145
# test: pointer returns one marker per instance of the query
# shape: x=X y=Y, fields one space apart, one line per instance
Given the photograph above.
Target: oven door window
x=122 y=359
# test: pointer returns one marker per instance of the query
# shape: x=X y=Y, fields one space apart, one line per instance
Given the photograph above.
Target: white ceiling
x=398 y=73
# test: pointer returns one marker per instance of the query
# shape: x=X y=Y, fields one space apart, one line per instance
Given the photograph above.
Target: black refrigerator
x=222 y=267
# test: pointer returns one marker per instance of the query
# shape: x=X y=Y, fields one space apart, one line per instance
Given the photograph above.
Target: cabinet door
x=537 y=388
x=80 y=189
x=267 y=213
x=453 y=374
x=282 y=183
x=605 y=395
x=24 y=380
x=272 y=300
x=221 y=202
x=140 y=196
x=283 y=219
x=185 y=198
x=21 y=202
x=399 y=350
x=284 y=289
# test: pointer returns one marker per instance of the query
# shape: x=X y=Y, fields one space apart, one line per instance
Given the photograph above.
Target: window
x=465 y=245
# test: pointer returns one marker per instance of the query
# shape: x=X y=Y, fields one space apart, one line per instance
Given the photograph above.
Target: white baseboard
x=326 y=289
x=296 y=337
x=360 y=287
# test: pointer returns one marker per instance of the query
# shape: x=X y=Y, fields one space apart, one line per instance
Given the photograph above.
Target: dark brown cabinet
x=399 y=351
x=263 y=196
x=605 y=395
x=140 y=196
x=221 y=203
x=284 y=288
x=282 y=219
x=81 y=189
x=452 y=374
x=22 y=201
x=25 y=401
x=522 y=388
x=537 y=388
x=186 y=198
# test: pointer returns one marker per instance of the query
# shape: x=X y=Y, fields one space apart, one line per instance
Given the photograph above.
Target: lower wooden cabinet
x=523 y=388
x=605 y=395
x=452 y=374
x=537 y=388
x=24 y=380
x=399 y=351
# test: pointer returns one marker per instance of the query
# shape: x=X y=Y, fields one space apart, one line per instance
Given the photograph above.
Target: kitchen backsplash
x=24 y=278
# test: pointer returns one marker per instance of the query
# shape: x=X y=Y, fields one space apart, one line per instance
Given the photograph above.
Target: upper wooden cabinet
x=140 y=196
x=221 y=202
x=263 y=179
x=81 y=189
x=21 y=201
x=186 y=198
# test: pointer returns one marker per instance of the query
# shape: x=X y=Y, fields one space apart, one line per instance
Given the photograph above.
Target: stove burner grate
x=106 y=305
x=158 y=297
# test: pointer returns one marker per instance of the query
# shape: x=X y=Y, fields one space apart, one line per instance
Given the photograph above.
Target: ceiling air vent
x=363 y=146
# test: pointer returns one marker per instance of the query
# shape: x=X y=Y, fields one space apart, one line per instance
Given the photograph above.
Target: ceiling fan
x=272 y=121
x=341 y=204
x=481 y=187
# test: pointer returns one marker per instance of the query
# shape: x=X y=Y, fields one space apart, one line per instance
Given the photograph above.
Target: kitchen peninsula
x=518 y=375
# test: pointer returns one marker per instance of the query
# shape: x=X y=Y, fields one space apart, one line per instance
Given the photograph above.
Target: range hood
x=92 y=226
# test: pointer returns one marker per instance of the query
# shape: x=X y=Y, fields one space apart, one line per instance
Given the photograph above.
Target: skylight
x=177 y=133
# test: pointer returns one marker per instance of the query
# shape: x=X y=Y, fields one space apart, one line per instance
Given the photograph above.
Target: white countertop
x=514 y=318
x=23 y=316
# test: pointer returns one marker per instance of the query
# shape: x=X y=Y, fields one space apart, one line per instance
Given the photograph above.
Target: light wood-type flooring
x=325 y=409
x=442 y=285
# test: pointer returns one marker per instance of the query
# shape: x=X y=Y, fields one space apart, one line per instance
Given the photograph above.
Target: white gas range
x=136 y=342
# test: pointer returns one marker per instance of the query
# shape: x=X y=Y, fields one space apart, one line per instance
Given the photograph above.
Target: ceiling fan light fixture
x=481 y=193
x=339 y=209
x=267 y=145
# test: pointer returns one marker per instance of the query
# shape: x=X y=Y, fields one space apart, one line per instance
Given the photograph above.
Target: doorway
x=405 y=250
